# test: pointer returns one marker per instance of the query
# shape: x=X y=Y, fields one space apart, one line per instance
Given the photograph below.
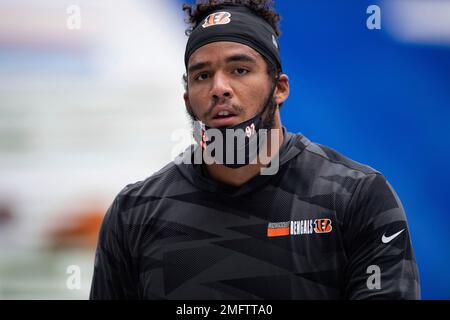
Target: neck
x=240 y=176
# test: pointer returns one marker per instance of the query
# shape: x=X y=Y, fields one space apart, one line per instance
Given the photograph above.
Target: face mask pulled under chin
x=233 y=147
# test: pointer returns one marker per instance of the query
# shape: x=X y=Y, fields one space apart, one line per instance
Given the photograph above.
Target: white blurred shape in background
x=82 y=113
x=418 y=21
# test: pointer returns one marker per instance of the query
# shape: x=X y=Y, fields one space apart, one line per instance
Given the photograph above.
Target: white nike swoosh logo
x=385 y=239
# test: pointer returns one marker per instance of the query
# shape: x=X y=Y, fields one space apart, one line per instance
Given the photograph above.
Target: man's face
x=228 y=84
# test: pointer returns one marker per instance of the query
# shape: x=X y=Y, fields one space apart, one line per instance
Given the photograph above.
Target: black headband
x=235 y=24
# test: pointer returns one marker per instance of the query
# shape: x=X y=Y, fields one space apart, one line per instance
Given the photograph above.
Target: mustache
x=236 y=109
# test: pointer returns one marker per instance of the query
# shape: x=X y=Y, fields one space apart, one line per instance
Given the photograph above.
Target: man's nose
x=220 y=86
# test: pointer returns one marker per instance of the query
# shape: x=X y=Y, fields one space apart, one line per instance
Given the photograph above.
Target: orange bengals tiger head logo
x=217 y=18
x=322 y=226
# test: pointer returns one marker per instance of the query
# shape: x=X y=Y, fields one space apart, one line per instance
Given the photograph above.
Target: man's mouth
x=224 y=114
x=224 y=119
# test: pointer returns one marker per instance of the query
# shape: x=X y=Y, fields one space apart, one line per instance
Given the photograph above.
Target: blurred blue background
x=382 y=101
x=381 y=97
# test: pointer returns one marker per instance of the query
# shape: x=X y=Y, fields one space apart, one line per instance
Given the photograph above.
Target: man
x=317 y=225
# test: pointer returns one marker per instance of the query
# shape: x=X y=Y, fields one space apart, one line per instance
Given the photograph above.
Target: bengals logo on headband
x=323 y=226
x=217 y=18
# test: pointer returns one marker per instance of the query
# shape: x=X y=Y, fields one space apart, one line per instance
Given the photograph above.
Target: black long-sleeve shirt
x=323 y=227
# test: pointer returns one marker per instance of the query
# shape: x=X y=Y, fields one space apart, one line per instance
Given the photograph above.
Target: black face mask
x=240 y=143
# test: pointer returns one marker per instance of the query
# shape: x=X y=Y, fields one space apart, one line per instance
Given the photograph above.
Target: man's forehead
x=221 y=51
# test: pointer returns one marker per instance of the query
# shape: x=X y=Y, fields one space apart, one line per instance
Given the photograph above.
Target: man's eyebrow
x=198 y=66
x=233 y=58
x=240 y=57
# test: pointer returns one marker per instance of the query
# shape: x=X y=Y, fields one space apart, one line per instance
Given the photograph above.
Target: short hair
x=262 y=8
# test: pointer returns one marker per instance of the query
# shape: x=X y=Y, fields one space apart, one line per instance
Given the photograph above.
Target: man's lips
x=223 y=115
x=222 y=111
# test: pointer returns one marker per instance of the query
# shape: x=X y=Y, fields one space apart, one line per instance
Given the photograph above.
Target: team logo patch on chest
x=300 y=227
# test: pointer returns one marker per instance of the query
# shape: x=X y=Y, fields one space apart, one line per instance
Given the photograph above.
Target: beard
x=269 y=117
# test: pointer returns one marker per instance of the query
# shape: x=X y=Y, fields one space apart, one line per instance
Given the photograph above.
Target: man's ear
x=282 y=89
x=187 y=102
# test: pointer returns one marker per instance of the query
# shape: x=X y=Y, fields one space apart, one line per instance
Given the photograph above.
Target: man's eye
x=201 y=76
x=241 y=71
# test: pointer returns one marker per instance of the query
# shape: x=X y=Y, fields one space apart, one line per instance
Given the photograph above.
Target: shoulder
x=166 y=181
x=366 y=178
x=157 y=181
x=336 y=166
x=328 y=170
x=337 y=162
x=332 y=180
x=365 y=191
